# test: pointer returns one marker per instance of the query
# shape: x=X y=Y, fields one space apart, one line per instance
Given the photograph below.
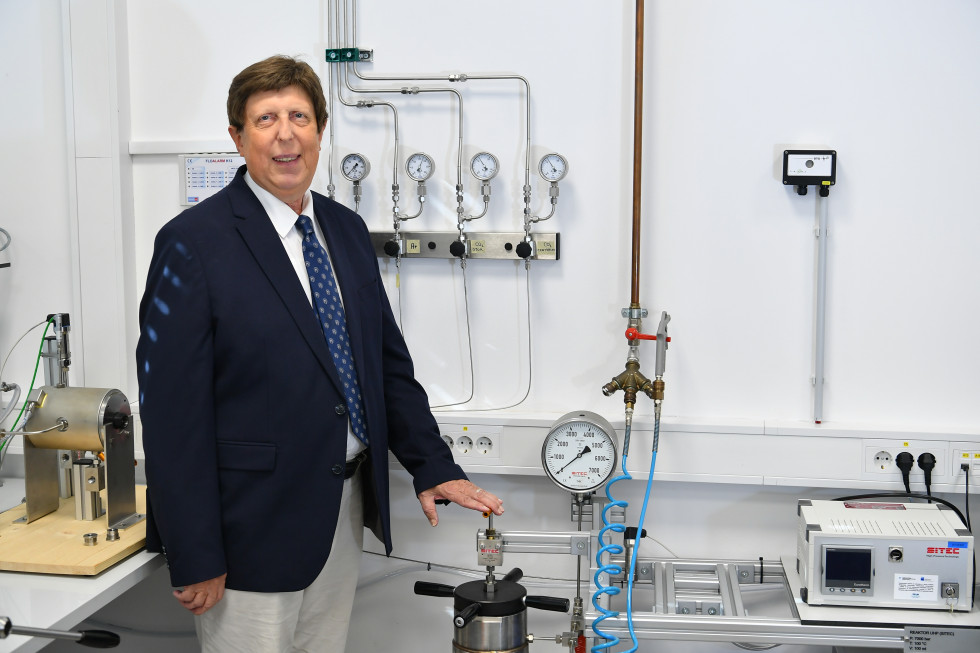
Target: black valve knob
x=457 y=249
x=552 y=603
x=433 y=589
x=514 y=575
x=466 y=615
x=523 y=249
x=391 y=248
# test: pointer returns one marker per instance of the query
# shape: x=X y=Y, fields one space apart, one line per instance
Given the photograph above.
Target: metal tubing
x=821 y=310
x=637 y=153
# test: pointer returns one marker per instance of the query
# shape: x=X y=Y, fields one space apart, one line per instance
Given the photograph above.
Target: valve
x=634 y=334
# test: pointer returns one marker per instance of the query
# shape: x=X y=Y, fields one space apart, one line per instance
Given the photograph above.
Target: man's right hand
x=201 y=597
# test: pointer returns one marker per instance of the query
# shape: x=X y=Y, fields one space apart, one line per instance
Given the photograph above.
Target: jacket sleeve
x=175 y=363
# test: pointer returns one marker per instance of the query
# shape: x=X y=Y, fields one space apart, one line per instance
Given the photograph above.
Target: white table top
x=60 y=602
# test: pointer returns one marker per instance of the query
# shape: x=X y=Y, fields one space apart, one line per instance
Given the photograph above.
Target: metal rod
x=821 y=310
x=637 y=153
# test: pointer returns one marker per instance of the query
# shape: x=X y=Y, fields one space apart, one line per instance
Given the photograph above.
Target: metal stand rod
x=821 y=310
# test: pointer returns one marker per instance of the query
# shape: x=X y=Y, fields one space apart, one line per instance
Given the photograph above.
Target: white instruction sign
x=203 y=176
x=912 y=587
x=937 y=639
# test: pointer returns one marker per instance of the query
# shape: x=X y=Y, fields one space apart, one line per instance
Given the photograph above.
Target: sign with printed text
x=939 y=639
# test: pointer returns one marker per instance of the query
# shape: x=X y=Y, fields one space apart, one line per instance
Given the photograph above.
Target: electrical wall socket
x=968 y=453
x=879 y=459
x=474 y=445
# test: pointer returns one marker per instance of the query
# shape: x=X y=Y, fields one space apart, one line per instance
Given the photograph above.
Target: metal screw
x=685 y=610
x=580 y=546
x=712 y=611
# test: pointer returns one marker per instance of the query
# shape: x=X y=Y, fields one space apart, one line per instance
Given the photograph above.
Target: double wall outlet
x=880 y=456
x=474 y=444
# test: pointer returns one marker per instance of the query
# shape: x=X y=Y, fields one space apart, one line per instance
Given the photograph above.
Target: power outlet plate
x=474 y=445
x=879 y=460
x=965 y=453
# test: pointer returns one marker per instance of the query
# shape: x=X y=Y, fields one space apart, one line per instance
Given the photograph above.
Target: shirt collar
x=283 y=218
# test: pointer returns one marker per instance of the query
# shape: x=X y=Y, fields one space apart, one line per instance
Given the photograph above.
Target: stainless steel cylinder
x=86 y=410
x=507 y=634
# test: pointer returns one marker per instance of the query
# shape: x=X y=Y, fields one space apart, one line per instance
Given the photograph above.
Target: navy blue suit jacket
x=241 y=407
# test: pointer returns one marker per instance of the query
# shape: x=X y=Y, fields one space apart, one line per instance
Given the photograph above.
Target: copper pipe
x=637 y=153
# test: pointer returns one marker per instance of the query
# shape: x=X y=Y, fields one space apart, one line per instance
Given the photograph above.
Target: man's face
x=280 y=142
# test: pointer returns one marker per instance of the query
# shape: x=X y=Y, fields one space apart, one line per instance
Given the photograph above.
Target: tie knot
x=305 y=225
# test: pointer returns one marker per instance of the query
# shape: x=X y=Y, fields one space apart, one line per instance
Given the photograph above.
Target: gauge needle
x=580 y=454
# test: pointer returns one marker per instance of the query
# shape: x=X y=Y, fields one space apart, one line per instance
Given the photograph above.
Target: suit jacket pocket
x=247 y=456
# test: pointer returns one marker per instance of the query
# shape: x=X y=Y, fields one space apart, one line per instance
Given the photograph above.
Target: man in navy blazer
x=251 y=462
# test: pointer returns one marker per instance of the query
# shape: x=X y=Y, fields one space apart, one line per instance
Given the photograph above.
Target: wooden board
x=53 y=544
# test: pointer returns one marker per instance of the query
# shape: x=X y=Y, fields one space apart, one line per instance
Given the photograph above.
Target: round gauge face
x=484 y=166
x=355 y=167
x=420 y=166
x=579 y=452
x=553 y=167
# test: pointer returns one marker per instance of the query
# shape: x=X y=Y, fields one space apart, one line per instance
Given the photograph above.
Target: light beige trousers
x=309 y=621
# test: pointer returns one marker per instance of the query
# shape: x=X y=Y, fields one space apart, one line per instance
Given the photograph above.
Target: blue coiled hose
x=611 y=548
x=611 y=569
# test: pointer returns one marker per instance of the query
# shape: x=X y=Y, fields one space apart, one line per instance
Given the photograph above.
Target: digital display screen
x=847 y=567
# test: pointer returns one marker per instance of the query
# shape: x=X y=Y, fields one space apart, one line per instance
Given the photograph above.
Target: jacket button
x=338 y=470
x=340 y=409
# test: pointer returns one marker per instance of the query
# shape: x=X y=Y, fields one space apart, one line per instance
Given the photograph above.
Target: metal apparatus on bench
x=64 y=424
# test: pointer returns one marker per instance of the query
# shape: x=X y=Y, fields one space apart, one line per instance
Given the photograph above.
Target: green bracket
x=344 y=55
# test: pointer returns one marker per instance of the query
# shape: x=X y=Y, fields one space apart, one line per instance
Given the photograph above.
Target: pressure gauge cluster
x=484 y=166
x=420 y=166
x=579 y=452
x=355 y=167
x=553 y=167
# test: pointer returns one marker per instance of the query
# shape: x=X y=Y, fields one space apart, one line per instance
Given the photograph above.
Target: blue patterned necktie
x=330 y=310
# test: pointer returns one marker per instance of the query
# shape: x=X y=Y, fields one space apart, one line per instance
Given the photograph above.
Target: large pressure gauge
x=553 y=167
x=355 y=167
x=579 y=452
x=484 y=166
x=420 y=166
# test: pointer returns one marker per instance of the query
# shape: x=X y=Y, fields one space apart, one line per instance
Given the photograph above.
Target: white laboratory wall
x=892 y=85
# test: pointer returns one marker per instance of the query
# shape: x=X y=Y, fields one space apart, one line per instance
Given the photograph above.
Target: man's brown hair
x=274 y=74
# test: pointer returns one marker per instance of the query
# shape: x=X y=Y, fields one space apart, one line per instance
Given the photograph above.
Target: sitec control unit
x=901 y=555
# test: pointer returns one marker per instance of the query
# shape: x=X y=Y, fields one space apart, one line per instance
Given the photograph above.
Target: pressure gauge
x=420 y=166
x=553 y=167
x=579 y=452
x=484 y=166
x=355 y=167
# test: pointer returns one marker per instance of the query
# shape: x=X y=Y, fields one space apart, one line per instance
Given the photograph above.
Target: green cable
x=37 y=364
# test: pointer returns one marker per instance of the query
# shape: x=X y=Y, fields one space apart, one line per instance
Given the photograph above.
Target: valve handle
x=433 y=589
x=552 y=603
x=514 y=575
x=633 y=333
x=466 y=615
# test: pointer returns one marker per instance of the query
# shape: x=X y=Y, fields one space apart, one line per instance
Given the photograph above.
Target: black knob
x=98 y=639
x=466 y=615
x=433 y=589
x=552 y=603
x=523 y=249
x=514 y=575
x=391 y=248
x=117 y=420
x=457 y=249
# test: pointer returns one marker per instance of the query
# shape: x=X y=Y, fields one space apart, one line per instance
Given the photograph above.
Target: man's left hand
x=463 y=493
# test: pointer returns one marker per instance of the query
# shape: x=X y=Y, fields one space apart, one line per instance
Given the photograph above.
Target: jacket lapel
x=266 y=247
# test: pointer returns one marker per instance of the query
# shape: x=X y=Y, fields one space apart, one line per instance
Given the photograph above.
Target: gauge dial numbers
x=484 y=166
x=553 y=167
x=420 y=166
x=355 y=167
x=579 y=452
